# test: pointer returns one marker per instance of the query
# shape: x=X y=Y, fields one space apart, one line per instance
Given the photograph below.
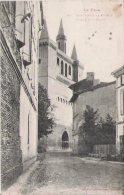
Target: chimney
x=90 y=76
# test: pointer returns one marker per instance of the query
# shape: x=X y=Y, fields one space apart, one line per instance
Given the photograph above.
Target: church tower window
x=59 y=45
x=69 y=70
x=66 y=70
x=61 y=67
x=58 y=61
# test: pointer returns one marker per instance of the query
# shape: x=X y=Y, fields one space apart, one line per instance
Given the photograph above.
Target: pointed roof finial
x=44 y=33
x=74 y=53
x=61 y=29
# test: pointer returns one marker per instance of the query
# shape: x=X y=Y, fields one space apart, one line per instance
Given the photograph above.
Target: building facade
x=20 y=24
x=119 y=74
x=98 y=95
x=57 y=72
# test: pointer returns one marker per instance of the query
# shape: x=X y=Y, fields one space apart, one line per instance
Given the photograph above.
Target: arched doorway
x=65 y=140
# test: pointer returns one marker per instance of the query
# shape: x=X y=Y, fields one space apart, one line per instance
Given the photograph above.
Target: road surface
x=62 y=174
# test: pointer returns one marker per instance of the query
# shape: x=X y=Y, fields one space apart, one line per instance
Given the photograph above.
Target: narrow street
x=59 y=173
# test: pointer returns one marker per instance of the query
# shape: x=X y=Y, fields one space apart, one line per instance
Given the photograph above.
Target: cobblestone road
x=62 y=174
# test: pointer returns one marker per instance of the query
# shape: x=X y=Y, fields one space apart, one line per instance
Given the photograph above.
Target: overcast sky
x=96 y=28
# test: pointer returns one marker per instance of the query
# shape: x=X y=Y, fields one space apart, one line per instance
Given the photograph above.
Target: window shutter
x=19 y=27
x=26 y=47
x=30 y=40
x=122 y=101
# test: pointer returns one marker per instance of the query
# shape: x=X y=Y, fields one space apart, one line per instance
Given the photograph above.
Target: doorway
x=65 y=140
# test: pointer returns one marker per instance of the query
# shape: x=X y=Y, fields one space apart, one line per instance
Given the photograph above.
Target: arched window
x=69 y=70
x=66 y=70
x=58 y=61
x=61 y=67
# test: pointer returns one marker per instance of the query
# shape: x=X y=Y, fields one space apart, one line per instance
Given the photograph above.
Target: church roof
x=74 y=53
x=61 y=29
x=44 y=33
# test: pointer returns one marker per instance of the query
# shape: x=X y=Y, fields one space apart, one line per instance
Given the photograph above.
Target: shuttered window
x=19 y=26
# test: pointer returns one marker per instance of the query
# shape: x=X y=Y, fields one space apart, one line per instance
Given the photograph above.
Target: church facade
x=57 y=72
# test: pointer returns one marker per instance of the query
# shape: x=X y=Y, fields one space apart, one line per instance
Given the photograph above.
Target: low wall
x=104 y=149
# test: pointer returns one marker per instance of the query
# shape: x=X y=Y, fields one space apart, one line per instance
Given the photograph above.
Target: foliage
x=46 y=119
x=106 y=131
x=96 y=131
x=88 y=127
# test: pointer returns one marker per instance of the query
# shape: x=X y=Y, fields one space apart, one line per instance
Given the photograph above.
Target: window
x=65 y=47
x=59 y=45
x=61 y=67
x=58 y=98
x=122 y=102
x=58 y=61
x=66 y=70
x=39 y=61
x=69 y=70
x=122 y=80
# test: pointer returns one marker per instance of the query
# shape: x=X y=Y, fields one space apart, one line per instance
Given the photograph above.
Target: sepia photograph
x=62 y=97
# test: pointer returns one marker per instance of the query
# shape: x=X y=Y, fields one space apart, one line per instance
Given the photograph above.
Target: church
x=57 y=71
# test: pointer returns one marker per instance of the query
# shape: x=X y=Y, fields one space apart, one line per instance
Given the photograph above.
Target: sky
x=96 y=28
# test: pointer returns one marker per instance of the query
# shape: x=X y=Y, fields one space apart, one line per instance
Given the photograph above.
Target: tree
x=108 y=130
x=88 y=128
x=94 y=131
x=46 y=118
